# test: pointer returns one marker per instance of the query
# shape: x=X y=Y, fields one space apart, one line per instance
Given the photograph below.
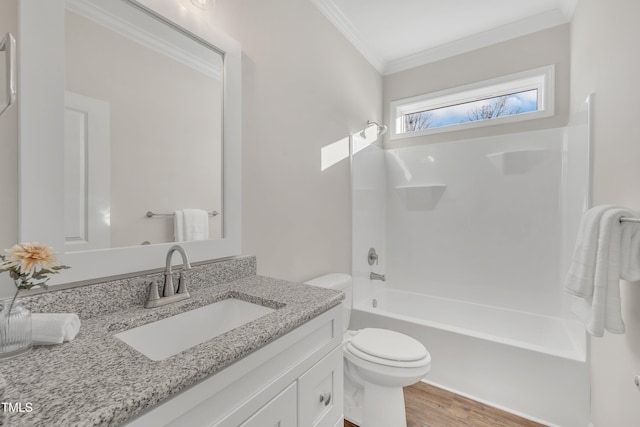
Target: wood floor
x=429 y=406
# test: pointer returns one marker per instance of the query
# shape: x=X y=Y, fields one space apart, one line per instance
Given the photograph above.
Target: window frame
x=542 y=79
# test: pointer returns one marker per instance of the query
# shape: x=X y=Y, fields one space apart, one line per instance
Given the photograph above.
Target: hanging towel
x=54 y=328
x=579 y=280
x=603 y=254
x=630 y=254
x=191 y=224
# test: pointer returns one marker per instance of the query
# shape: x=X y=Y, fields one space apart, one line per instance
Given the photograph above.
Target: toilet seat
x=387 y=348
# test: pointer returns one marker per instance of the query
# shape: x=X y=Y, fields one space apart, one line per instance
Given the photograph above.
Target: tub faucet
x=376 y=276
x=168 y=293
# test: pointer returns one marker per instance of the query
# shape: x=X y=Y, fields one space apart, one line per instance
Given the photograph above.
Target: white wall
x=493 y=235
x=8 y=155
x=304 y=87
x=605 y=60
x=523 y=53
x=484 y=220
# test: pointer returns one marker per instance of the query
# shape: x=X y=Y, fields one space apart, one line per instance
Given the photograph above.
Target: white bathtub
x=531 y=365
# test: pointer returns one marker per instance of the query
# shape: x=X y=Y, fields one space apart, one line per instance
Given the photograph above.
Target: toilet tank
x=340 y=282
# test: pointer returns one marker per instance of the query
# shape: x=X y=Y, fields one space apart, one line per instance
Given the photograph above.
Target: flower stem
x=12 y=302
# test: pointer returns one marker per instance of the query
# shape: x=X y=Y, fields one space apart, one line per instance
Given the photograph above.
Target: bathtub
x=528 y=364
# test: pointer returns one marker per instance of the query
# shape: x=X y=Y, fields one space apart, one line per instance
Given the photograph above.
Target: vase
x=15 y=329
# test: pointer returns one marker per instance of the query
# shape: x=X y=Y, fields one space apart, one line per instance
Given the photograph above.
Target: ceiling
x=396 y=35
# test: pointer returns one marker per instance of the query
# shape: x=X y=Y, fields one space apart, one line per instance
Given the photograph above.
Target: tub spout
x=376 y=276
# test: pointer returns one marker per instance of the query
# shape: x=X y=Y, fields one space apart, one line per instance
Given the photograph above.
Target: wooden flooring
x=429 y=406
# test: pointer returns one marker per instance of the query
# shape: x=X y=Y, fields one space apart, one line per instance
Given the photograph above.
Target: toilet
x=378 y=363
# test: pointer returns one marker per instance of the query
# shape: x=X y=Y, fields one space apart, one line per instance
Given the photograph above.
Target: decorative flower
x=29 y=264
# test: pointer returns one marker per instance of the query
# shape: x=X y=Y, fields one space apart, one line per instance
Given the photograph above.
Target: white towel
x=603 y=254
x=54 y=328
x=191 y=224
x=630 y=254
x=579 y=280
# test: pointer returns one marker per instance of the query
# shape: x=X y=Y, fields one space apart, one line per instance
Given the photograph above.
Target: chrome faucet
x=169 y=295
x=376 y=276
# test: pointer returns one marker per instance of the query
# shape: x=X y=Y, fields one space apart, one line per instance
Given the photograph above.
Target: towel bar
x=152 y=214
x=625 y=219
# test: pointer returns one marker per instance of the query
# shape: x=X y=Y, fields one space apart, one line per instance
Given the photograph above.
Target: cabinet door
x=320 y=392
x=279 y=412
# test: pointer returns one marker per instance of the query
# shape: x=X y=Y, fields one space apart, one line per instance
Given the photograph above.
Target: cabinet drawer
x=279 y=412
x=320 y=392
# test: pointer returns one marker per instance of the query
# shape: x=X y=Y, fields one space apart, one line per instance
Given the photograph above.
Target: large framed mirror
x=127 y=107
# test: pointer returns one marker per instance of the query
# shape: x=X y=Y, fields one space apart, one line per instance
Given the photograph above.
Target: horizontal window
x=522 y=96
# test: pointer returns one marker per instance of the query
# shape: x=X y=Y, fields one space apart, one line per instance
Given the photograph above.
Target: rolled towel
x=54 y=328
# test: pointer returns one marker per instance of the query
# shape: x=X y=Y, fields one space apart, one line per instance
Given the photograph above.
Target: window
x=522 y=96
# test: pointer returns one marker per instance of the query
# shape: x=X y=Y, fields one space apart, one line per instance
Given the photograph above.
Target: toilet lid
x=389 y=345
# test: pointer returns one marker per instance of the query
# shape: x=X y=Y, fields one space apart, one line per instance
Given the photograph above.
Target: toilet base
x=353 y=401
x=383 y=406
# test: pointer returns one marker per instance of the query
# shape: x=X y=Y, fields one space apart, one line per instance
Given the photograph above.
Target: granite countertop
x=98 y=380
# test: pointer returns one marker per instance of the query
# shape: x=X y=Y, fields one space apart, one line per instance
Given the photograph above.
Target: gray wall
x=8 y=156
x=304 y=86
x=520 y=54
x=605 y=60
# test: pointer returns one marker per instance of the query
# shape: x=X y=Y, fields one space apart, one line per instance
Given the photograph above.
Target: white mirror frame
x=41 y=148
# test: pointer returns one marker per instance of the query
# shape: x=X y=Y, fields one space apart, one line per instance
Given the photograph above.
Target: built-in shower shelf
x=518 y=161
x=420 y=197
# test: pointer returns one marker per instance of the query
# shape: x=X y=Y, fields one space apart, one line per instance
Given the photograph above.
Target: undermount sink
x=167 y=337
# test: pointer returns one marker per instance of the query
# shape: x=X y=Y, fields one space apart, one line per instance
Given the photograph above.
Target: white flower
x=29 y=258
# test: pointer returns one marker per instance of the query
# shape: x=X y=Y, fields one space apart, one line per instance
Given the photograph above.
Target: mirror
x=8 y=66
x=3 y=77
x=174 y=145
x=143 y=131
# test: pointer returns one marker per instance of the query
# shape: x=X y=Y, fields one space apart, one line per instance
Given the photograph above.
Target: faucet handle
x=153 y=295
x=372 y=256
x=182 y=284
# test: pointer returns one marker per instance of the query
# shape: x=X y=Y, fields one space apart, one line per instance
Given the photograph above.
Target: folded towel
x=603 y=254
x=54 y=328
x=191 y=224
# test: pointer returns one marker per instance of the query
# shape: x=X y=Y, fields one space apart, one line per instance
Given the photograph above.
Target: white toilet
x=378 y=363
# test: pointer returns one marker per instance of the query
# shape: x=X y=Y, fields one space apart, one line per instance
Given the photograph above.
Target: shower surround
x=474 y=237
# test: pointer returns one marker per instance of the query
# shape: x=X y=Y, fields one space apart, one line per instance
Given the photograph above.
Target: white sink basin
x=164 y=338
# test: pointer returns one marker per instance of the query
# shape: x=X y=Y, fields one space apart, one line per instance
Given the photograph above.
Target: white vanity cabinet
x=281 y=411
x=295 y=380
x=318 y=390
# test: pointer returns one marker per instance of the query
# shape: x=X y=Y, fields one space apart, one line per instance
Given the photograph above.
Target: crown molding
x=335 y=15
x=93 y=12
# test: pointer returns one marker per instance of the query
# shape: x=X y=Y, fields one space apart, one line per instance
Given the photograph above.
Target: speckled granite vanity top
x=98 y=380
